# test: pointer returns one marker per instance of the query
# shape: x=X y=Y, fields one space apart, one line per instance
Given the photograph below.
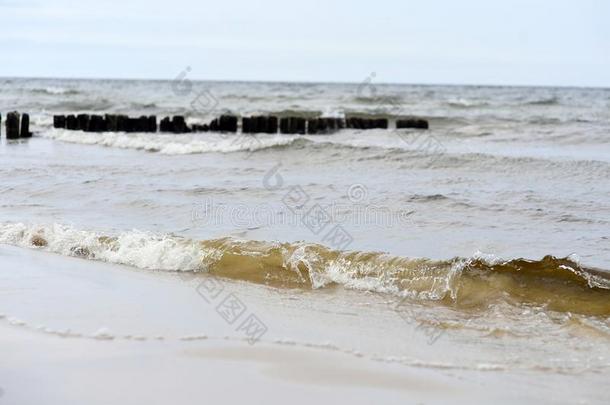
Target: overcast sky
x=530 y=42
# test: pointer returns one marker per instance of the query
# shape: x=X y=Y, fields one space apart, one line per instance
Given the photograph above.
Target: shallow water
x=497 y=220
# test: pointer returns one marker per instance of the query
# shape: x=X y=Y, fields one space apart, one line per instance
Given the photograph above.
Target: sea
x=489 y=231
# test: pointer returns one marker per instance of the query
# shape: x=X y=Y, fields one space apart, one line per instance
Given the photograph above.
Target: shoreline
x=171 y=338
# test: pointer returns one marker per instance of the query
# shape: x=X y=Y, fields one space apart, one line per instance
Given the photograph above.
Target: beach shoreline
x=69 y=329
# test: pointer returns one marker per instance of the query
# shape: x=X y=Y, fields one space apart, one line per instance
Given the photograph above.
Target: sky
x=520 y=42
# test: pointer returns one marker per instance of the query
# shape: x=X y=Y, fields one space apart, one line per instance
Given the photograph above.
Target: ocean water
x=495 y=222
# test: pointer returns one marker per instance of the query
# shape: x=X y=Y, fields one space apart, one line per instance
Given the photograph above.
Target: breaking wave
x=379 y=100
x=408 y=153
x=466 y=103
x=545 y=101
x=173 y=144
x=55 y=91
x=475 y=283
x=297 y=113
x=99 y=104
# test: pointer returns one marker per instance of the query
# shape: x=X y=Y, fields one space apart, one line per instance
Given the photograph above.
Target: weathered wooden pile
x=412 y=123
x=366 y=123
x=17 y=125
x=259 y=124
x=105 y=123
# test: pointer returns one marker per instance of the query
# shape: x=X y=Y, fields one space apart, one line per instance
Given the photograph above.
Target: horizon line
x=427 y=84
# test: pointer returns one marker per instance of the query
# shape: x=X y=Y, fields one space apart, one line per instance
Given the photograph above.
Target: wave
x=475 y=283
x=100 y=104
x=377 y=113
x=544 y=101
x=427 y=152
x=297 y=113
x=465 y=103
x=538 y=120
x=379 y=100
x=427 y=197
x=142 y=106
x=54 y=91
x=173 y=144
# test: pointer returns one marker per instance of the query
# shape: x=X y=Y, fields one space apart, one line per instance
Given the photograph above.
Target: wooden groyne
x=258 y=124
x=17 y=125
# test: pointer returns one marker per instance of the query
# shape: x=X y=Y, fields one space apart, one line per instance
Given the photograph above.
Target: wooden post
x=131 y=124
x=111 y=122
x=123 y=124
x=246 y=125
x=179 y=125
x=165 y=125
x=312 y=126
x=25 y=126
x=59 y=121
x=12 y=125
x=293 y=125
x=214 y=125
x=272 y=125
x=284 y=125
x=71 y=122
x=96 y=124
x=412 y=123
x=261 y=124
x=142 y=124
x=301 y=123
x=152 y=123
x=82 y=122
x=228 y=123
x=322 y=125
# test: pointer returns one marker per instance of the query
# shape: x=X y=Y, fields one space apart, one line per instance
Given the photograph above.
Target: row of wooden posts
x=17 y=125
x=227 y=123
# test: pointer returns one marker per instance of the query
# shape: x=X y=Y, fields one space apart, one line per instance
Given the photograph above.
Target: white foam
x=56 y=90
x=172 y=144
x=102 y=334
x=135 y=248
